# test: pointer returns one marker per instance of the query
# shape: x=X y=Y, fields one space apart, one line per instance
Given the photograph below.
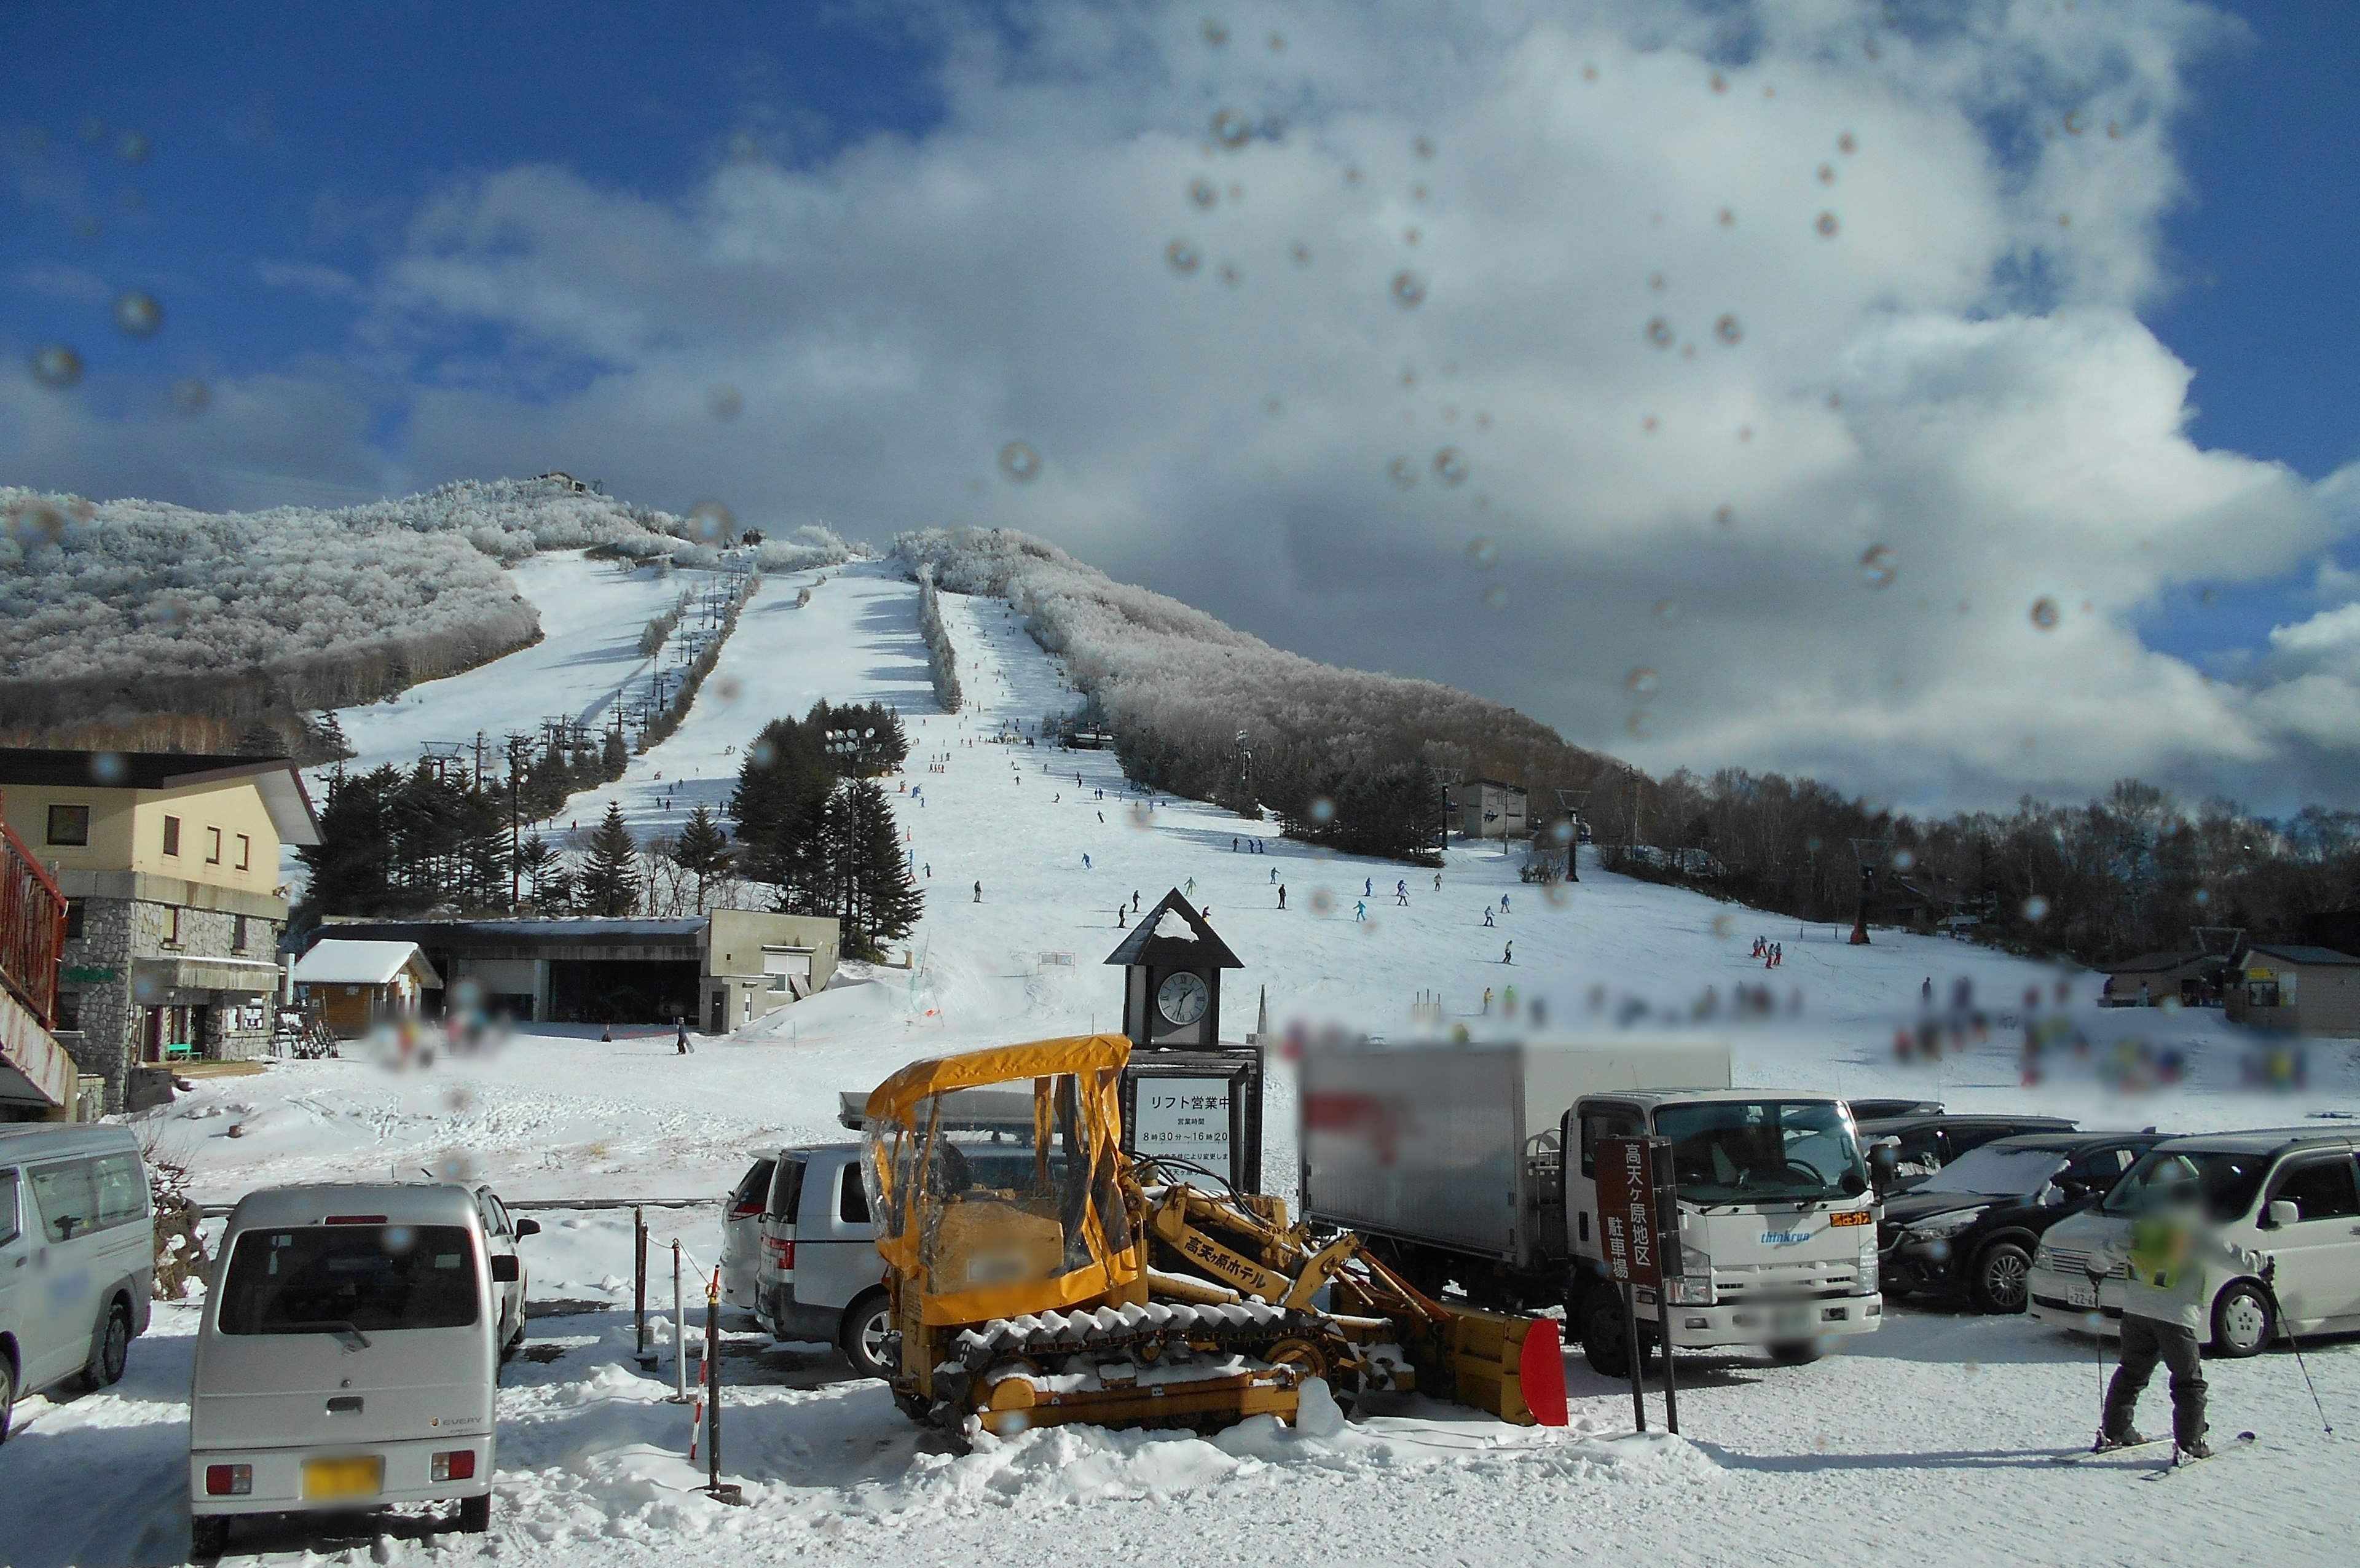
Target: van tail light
x=781 y=1250
x=229 y=1480
x=459 y=1464
x=745 y=1209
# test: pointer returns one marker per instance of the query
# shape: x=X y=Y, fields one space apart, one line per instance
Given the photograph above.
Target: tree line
x=813 y=824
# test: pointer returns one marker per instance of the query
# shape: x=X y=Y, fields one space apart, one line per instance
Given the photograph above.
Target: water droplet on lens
x=1667 y=610
x=1277 y=43
x=1719 y=83
x=1640 y=725
x=729 y=688
x=2076 y=123
x=1728 y=217
x=190 y=395
x=56 y=366
x=1727 y=330
x=1656 y=281
x=1230 y=274
x=1827 y=225
x=1647 y=423
x=1450 y=465
x=1215 y=31
x=1409 y=288
x=1180 y=257
x=1495 y=598
x=2044 y=614
x=1409 y=234
x=1203 y=192
x=1232 y=129
x=1299 y=253
x=713 y=522
x=1020 y=462
x=1879 y=566
x=724 y=401
x=1402 y=471
x=1835 y=399
x=1726 y=516
x=136 y=314
x=2036 y=909
x=34 y=522
x=1422 y=147
x=1323 y=809
x=1351 y=175
x=1659 y=333
x=1847 y=142
x=2209 y=595
x=1482 y=553
x=1642 y=683
x=1826 y=174
x=131 y=147
x=1323 y=902
x=1724 y=926
x=1903 y=858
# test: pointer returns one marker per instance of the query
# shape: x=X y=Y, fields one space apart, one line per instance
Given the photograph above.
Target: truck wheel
x=1605 y=1338
x=475 y=1514
x=1795 y=1352
x=110 y=1351
x=208 y=1537
x=868 y=1337
x=2001 y=1276
x=8 y=1394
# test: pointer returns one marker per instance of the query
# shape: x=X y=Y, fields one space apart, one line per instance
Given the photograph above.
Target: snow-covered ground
x=1929 y=1439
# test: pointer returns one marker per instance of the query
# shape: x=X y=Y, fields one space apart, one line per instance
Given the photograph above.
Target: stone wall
x=116 y=932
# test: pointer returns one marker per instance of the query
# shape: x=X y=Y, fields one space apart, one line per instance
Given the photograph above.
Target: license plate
x=363 y=1478
x=2080 y=1293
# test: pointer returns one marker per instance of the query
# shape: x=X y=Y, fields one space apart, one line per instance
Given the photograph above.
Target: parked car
x=502 y=1231
x=741 y=1230
x=346 y=1356
x=77 y=1256
x=2289 y=1193
x=820 y=1277
x=1884 y=1110
x=1921 y=1144
x=1971 y=1227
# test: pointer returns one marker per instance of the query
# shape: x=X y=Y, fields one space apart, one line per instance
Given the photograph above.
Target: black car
x=1885 y=1110
x=1925 y=1144
x=1969 y=1229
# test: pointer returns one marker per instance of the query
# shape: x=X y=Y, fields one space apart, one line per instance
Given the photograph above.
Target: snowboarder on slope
x=1282 y=895
x=1488 y=921
x=1508 y=956
x=2176 y=1257
x=1360 y=912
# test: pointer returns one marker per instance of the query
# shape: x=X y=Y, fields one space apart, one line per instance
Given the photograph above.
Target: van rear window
x=323 y=1279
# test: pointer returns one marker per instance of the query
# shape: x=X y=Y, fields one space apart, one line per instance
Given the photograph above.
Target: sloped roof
x=342 y=962
x=2295 y=953
x=2154 y=962
x=279 y=782
x=1153 y=940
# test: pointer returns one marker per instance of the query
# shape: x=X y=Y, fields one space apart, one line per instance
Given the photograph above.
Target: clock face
x=1183 y=997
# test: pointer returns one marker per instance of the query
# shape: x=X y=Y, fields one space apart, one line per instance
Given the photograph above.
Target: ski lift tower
x=1871 y=853
x=1245 y=771
x=1570 y=802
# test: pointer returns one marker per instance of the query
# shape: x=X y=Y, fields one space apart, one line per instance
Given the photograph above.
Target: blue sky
x=407 y=243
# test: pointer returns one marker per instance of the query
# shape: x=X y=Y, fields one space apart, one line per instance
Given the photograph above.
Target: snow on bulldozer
x=1039 y=1274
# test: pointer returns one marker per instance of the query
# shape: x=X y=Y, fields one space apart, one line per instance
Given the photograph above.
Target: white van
x=820 y=1277
x=77 y=1256
x=347 y=1356
x=2292 y=1193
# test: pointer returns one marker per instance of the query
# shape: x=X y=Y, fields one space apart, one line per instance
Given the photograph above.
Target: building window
x=171 y=835
x=213 y=847
x=245 y=854
x=171 y=925
x=73 y=920
x=68 y=1020
x=240 y=942
x=69 y=824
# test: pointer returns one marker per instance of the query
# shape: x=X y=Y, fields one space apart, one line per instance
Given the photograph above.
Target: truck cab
x=1777 y=1224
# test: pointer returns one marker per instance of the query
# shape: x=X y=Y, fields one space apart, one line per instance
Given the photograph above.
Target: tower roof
x=1174 y=934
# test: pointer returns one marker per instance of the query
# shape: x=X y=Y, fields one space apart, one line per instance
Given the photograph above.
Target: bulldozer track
x=1243 y=1324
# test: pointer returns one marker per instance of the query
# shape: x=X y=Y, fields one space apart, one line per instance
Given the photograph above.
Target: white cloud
x=2002 y=424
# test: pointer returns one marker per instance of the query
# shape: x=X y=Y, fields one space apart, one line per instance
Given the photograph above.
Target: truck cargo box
x=1457 y=1145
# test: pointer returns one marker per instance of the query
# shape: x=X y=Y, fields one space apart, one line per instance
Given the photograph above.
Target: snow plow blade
x=1511 y=1366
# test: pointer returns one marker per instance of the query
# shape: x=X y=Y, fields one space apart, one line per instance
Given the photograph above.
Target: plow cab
x=1038 y=1275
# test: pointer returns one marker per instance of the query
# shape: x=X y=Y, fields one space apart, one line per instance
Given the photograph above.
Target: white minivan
x=820 y=1277
x=347 y=1356
x=2289 y=1193
x=77 y=1256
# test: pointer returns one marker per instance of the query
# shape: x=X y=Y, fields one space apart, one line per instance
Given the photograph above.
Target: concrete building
x=1486 y=808
x=353 y=986
x=2152 y=978
x=720 y=971
x=2303 y=990
x=169 y=865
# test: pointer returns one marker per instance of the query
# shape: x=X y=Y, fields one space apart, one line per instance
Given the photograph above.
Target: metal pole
x=678 y=1334
x=1671 y=1383
x=1638 y=1355
x=640 y=1282
x=713 y=1386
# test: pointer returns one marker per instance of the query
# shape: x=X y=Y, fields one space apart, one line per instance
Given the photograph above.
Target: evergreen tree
x=703 y=851
x=326 y=740
x=549 y=887
x=615 y=756
x=351 y=866
x=859 y=872
x=261 y=739
x=610 y=882
x=782 y=788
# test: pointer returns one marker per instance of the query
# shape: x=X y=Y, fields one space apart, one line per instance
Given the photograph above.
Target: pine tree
x=865 y=875
x=552 y=889
x=610 y=882
x=261 y=738
x=615 y=756
x=350 y=867
x=703 y=851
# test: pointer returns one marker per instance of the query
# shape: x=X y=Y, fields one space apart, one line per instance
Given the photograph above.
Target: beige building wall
x=127 y=831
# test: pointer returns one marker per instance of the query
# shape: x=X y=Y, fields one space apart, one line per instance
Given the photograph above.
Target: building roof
x=1496 y=784
x=278 y=779
x=2295 y=953
x=337 y=962
x=2155 y=963
x=1173 y=933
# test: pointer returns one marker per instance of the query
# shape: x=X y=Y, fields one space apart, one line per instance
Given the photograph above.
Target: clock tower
x=1172 y=978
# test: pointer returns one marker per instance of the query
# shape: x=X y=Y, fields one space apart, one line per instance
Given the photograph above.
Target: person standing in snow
x=1360 y=912
x=1368 y=887
x=1437 y=881
x=1274 y=874
x=2176 y=1257
x=1508 y=956
x=1487 y=1001
x=680 y=1043
x=1504 y=903
x=1191 y=888
x=1134 y=901
x=1282 y=895
x=1086 y=860
x=1488 y=921
x=1925 y=992
x=1121 y=917
x=978 y=892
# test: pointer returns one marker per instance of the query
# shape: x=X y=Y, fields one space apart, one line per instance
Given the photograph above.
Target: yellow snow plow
x=1040 y=1275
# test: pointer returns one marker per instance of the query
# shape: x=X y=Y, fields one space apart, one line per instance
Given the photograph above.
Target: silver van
x=819 y=1277
x=347 y=1356
x=77 y=1256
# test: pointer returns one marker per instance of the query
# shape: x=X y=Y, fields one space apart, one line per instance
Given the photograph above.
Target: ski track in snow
x=1929 y=1438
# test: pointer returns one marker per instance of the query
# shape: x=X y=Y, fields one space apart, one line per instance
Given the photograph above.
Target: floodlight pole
x=1570 y=802
x=1870 y=852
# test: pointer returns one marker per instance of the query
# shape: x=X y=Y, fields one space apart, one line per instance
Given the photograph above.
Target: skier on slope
x=2176 y=1257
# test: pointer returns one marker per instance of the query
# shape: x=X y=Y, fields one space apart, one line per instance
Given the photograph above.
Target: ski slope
x=1929 y=1439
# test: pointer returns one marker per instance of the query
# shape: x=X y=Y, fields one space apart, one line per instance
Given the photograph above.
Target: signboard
x=1203 y=1107
x=1638 y=1222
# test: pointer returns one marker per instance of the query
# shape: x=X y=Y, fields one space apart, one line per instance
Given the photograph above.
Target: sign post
x=1638 y=1224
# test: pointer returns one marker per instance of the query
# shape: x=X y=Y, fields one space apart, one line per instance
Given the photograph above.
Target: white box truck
x=1470 y=1164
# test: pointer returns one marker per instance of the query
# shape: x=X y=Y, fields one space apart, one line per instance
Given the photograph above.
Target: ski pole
x=2099 y=1336
x=2277 y=1309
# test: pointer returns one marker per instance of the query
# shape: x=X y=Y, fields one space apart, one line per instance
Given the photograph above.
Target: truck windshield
x=1756 y=1151
x=348 y=1278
